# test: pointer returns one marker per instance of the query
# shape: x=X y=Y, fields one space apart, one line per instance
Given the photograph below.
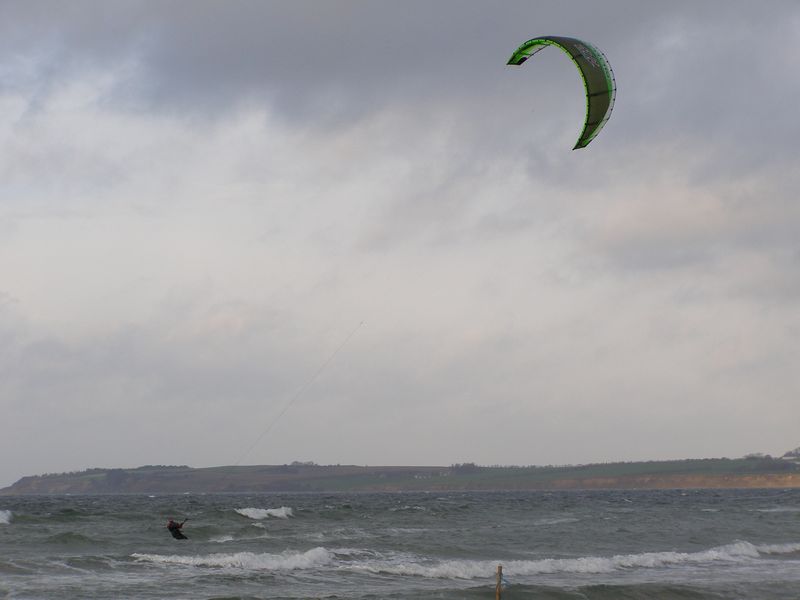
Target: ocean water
x=632 y=545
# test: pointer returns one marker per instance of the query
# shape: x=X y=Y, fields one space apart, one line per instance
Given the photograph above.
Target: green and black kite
x=597 y=78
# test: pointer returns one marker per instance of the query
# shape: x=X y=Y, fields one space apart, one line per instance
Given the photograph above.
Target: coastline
x=766 y=473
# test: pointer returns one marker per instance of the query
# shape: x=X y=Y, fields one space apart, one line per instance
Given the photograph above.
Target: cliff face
x=769 y=480
x=710 y=473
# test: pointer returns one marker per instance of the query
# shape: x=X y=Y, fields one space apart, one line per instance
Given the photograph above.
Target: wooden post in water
x=498 y=590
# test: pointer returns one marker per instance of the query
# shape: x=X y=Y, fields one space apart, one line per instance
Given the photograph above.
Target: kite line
x=294 y=397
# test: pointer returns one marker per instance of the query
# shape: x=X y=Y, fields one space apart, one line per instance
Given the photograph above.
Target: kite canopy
x=597 y=78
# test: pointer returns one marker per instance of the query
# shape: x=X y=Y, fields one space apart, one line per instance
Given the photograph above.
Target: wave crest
x=259 y=514
x=286 y=561
x=778 y=548
x=410 y=565
x=466 y=569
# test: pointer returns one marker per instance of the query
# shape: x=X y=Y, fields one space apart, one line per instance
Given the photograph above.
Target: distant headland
x=753 y=471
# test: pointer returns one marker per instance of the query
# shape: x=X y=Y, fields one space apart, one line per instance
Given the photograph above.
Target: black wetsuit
x=175 y=530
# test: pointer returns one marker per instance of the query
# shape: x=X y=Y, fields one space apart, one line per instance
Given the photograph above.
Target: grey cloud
x=685 y=71
x=302 y=55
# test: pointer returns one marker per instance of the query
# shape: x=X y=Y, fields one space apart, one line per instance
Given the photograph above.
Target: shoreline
x=688 y=474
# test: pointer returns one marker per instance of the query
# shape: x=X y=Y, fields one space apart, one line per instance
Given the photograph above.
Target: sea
x=628 y=545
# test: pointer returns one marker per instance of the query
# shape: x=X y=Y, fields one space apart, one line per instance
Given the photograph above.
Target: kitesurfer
x=175 y=529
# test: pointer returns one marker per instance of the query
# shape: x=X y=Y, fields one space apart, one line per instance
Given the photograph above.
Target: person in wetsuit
x=175 y=529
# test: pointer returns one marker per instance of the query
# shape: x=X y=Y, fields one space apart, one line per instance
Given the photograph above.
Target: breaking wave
x=5 y=517
x=284 y=512
x=407 y=508
x=366 y=561
x=778 y=548
x=286 y=561
x=461 y=569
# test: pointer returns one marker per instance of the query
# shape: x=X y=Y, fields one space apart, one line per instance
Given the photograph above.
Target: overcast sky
x=201 y=201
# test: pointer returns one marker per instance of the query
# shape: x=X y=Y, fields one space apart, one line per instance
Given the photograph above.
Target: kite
x=598 y=78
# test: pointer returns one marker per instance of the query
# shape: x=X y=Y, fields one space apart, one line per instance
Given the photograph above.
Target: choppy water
x=560 y=545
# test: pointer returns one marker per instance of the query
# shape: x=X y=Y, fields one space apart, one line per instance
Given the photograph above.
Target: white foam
x=778 y=548
x=406 y=531
x=466 y=569
x=450 y=569
x=407 y=508
x=284 y=512
x=404 y=564
x=5 y=517
x=555 y=521
x=286 y=561
x=221 y=539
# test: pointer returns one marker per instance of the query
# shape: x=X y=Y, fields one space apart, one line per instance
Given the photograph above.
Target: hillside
x=750 y=472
